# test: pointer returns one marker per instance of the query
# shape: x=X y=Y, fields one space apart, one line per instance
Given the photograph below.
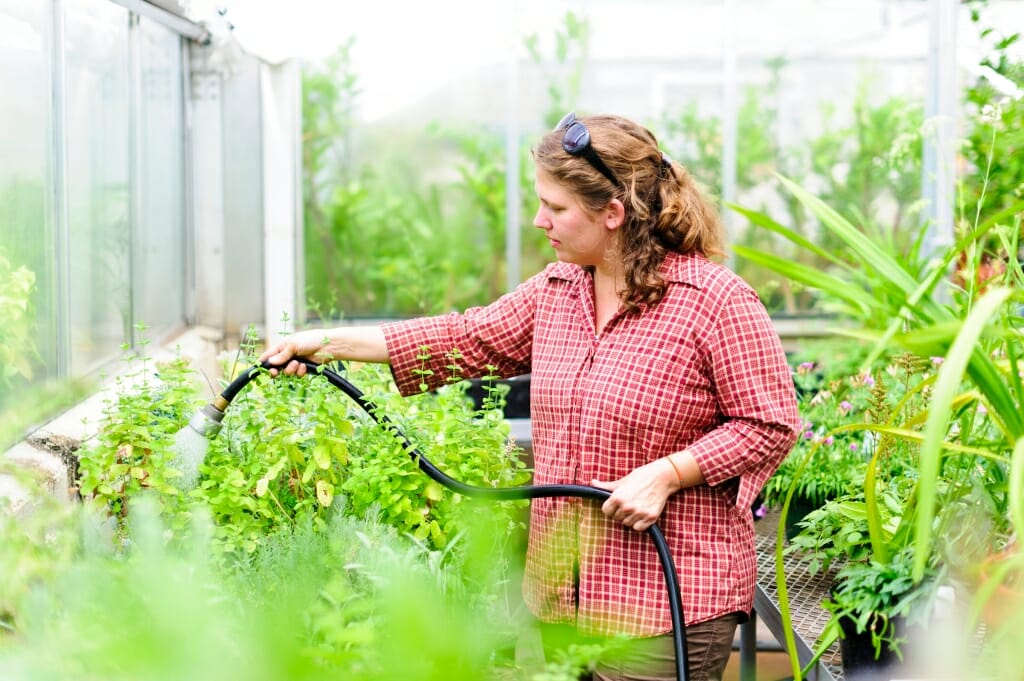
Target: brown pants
x=708 y=647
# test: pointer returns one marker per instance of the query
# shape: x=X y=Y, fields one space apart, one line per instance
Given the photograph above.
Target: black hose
x=498 y=493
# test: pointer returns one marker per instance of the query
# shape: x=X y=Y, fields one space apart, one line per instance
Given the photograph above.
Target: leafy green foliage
x=995 y=170
x=873 y=594
x=34 y=547
x=17 y=322
x=838 y=460
x=868 y=166
x=313 y=545
x=393 y=235
x=346 y=601
x=290 y=446
x=132 y=451
x=572 y=48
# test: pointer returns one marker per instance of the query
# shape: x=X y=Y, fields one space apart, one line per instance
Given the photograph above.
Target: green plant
x=871 y=507
x=416 y=240
x=957 y=422
x=17 y=323
x=994 y=178
x=329 y=587
x=572 y=48
x=290 y=446
x=132 y=450
x=34 y=547
x=872 y=595
x=348 y=600
x=838 y=459
x=868 y=166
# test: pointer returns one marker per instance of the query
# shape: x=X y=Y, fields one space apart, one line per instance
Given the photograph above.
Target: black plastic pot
x=799 y=507
x=861 y=662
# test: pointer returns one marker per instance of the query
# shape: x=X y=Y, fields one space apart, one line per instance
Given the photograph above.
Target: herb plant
x=873 y=596
x=132 y=450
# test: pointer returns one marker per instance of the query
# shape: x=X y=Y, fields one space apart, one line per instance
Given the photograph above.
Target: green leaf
x=947 y=387
x=810 y=276
x=322 y=456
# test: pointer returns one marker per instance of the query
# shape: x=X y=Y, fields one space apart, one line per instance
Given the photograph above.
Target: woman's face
x=576 y=236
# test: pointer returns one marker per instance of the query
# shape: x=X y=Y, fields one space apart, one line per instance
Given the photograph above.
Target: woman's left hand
x=638 y=499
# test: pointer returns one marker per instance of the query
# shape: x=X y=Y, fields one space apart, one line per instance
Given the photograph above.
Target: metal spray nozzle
x=207 y=421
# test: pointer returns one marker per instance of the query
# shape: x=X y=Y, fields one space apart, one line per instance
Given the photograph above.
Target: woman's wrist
x=687 y=472
x=677 y=473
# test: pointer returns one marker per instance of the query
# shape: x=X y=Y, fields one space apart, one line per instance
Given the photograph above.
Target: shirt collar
x=684 y=269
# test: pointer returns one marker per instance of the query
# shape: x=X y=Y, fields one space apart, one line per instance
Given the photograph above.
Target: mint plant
x=131 y=452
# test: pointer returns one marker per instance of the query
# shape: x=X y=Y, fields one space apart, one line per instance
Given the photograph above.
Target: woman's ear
x=615 y=214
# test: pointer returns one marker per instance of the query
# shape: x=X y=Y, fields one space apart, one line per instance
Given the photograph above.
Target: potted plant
x=873 y=605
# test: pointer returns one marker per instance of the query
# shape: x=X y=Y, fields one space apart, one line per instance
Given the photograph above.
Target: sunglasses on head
x=576 y=142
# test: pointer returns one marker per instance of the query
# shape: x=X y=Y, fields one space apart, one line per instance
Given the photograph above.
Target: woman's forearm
x=356 y=343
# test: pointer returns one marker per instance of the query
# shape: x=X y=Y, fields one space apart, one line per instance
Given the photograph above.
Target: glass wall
x=28 y=328
x=92 y=183
x=98 y=182
x=408 y=131
x=159 y=296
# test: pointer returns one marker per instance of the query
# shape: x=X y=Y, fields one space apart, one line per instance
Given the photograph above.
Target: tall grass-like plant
x=977 y=335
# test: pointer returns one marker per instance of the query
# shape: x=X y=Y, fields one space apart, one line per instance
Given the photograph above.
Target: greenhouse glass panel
x=98 y=143
x=405 y=131
x=27 y=284
x=159 y=294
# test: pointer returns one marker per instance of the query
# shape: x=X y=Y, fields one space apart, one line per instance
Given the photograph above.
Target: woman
x=656 y=374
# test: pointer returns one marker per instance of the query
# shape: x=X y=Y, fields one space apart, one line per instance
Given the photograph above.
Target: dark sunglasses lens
x=576 y=138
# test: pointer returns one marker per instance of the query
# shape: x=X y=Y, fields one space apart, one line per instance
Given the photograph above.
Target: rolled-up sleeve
x=496 y=338
x=756 y=398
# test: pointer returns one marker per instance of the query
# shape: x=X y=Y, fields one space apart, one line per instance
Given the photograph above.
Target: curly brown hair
x=665 y=209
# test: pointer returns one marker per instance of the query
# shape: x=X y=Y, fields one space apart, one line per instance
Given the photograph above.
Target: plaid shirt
x=702 y=370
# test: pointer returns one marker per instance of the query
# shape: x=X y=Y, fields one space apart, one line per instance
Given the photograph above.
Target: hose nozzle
x=207 y=421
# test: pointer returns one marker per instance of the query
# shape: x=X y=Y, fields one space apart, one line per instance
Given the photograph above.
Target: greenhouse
x=577 y=339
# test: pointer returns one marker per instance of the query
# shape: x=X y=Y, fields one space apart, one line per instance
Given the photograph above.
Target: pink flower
x=845 y=407
x=937 y=361
x=808 y=434
x=853 y=446
x=829 y=440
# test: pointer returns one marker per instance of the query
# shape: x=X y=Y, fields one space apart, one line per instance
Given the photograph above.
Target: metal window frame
x=56 y=203
x=177 y=23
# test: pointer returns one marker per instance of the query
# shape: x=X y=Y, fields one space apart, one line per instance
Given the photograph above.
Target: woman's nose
x=541 y=220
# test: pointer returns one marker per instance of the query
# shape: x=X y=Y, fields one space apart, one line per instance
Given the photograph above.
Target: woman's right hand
x=310 y=344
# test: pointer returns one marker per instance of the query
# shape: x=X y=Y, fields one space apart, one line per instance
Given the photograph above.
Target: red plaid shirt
x=702 y=370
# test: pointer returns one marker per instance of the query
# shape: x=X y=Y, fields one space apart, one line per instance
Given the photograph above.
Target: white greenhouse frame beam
x=281 y=103
x=939 y=163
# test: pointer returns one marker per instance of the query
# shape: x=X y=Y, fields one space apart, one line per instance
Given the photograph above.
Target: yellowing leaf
x=322 y=456
x=434 y=491
x=261 y=486
x=324 y=492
